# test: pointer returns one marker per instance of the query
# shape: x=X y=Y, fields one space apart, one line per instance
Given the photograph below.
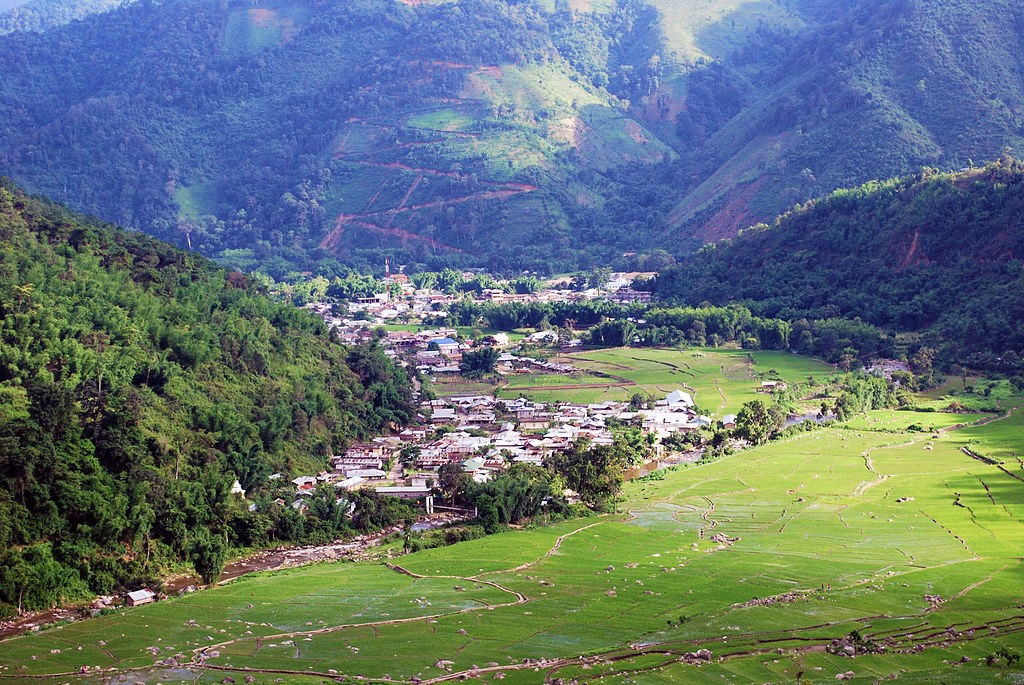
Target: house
x=413 y=433
x=535 y=422
x=304 y=482
x=403 y=491
x=542 y=337
x=677 y=400
x=664 y=421
x=498 y=340
x=446 y=346
x=367 y=474
x=378 y=448
x=446 y=368
x=480 y=417
x=442 y=415
x=348 y=463
x=379 y=298
x=729 y=421
x=349 y=483
x=771 y=386
x=428 y=357
x=628 y=295
x=140 y=597
x=236 y=489
x=401 y=339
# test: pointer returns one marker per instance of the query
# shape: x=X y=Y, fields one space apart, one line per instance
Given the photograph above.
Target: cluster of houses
x=483 y=436
x=402 y=301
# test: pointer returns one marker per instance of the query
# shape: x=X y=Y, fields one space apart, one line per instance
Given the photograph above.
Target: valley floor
x=860 y=552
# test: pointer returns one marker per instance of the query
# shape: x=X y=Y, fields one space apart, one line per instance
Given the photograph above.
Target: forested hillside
x=938 y=256
x=873 y=90
x=40 y=15
x=292 y=135
x=137 y=381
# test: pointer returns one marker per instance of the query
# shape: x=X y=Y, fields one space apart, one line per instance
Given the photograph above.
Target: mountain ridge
x=512 y=135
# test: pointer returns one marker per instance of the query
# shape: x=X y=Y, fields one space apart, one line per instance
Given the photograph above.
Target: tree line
x=137 y=383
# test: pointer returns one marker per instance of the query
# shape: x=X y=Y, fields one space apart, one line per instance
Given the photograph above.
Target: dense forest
x=936 y=257
x=137 y=382
x=40 y=15
x=291 y=135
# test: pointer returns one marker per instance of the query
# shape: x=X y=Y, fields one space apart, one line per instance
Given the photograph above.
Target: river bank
x=264 y=560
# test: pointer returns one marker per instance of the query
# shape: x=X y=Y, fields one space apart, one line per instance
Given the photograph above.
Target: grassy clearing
x=523 y=384
x=249 y=31
x=999 y=440
x=854 y=528
x=714 y=28
x=441 y=120
x=455 y=386
x=272 y=604
x=196 y=200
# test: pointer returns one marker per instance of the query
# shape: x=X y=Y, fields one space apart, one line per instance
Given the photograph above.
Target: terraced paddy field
x=720 y=380
x=763 y=558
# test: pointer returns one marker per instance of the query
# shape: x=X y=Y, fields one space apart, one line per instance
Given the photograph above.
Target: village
x=484 y=436
x=482 y=433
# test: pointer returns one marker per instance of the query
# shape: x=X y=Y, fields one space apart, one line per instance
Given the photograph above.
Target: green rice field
x=764 y=558
x=720 y=380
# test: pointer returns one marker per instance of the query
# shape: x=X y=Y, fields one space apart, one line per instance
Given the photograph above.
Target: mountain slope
x=137 y=382
x=300 y=126
x=871 y=92
x=531 y=134
x=936 y=255
x=40 y=15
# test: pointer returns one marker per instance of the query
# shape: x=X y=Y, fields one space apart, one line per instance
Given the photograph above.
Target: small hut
x=139 y=597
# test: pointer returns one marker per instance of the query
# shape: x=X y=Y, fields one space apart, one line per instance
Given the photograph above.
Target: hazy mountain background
x=40 y=15
x=290 y=134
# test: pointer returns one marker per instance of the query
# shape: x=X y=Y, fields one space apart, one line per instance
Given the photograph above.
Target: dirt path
x=863 y=486
x=200 y=653
x=366 y=220
x=670 y=365
x=554 y=549
x=706 y=515
x=721 y=394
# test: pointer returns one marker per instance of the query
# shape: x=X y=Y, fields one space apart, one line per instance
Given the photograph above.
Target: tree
x=452 y=482
x=641 y=400
x=374 y=512
x=594 y=473
x=519 y=493
x=476 y=363
x=613 y=333
x=208 y=554
x=756 y=423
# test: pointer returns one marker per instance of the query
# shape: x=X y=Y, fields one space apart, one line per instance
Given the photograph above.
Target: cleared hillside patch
x=253 y=30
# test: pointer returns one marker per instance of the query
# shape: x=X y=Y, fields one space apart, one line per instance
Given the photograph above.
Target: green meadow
x=720 y=380
x=763 y=557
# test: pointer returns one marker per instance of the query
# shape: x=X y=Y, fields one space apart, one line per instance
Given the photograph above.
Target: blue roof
x=445 y=341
